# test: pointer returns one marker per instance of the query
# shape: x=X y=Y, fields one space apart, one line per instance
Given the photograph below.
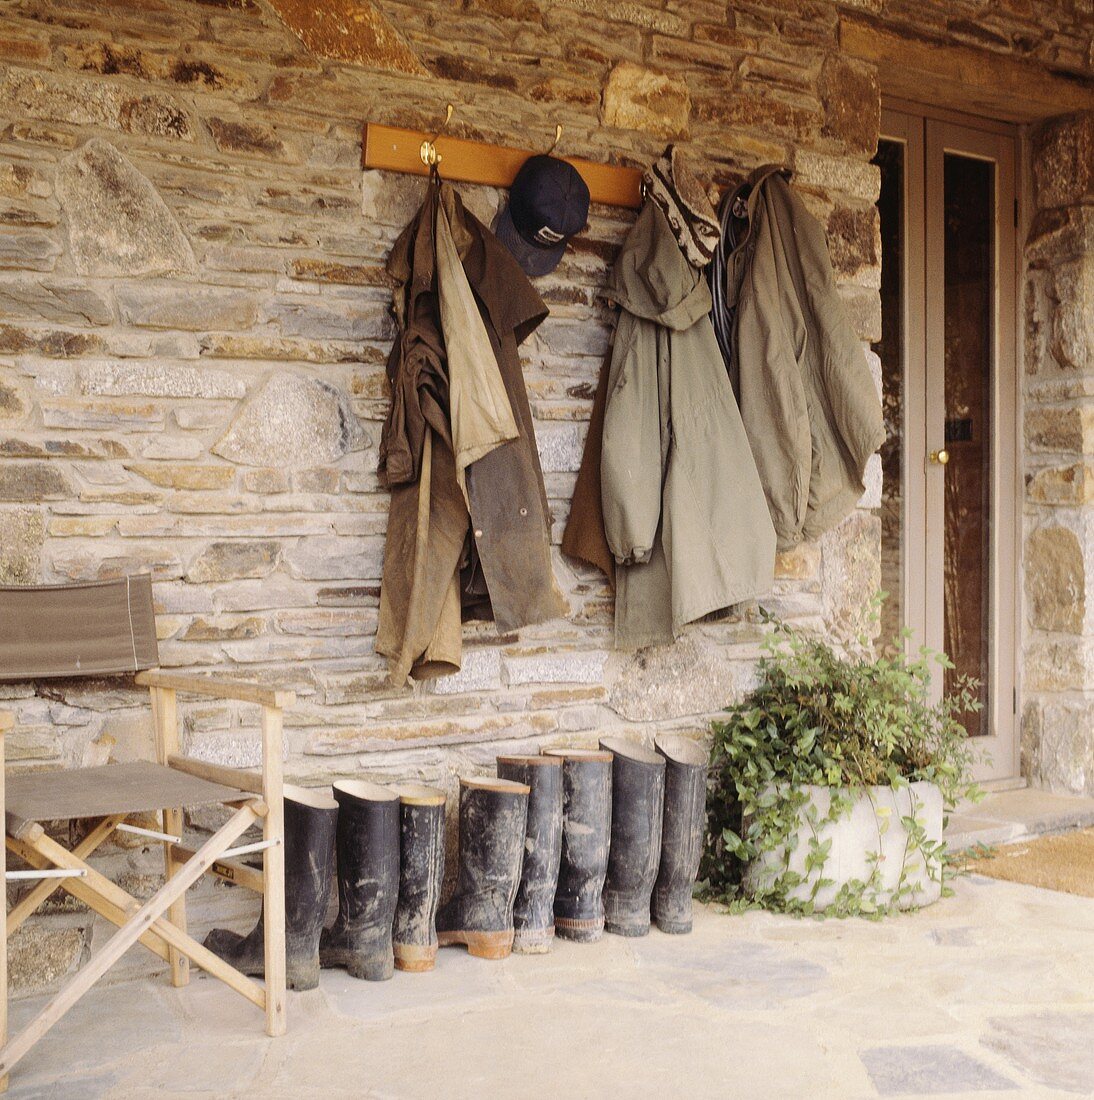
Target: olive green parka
x=807 y=397
x=684 y=510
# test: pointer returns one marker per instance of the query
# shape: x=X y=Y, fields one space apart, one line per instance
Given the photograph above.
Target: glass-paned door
x=947 y=211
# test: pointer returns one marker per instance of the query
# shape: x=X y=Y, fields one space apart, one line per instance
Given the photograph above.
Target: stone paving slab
x=988 y=993
x=930 y=1071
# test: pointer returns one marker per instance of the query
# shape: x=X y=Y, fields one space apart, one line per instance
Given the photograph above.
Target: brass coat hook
x=428 y=152
x=558 y=138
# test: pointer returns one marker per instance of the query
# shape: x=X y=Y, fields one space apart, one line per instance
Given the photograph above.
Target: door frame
x=905 y=128
x=922 y=130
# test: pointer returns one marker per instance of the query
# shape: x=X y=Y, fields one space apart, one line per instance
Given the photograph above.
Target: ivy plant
x=842 y=721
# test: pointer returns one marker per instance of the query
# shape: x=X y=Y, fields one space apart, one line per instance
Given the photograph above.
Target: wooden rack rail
x=399 y=150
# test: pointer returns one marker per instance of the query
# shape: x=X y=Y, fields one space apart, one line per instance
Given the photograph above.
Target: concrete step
x=1005 y=817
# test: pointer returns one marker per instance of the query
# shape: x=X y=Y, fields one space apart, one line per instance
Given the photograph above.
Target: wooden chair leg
x=273 y=871
x=139 y=923
x=165 y=717
x=176 y=914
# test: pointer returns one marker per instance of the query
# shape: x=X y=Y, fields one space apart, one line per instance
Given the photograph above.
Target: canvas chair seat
x=140 y=787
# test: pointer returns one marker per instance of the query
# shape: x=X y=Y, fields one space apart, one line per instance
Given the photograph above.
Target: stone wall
x=1056 y=33
x=1058 y=713
x=194 y=321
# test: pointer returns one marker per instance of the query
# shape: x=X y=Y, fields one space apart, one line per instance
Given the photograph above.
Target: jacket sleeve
x=584 y=535
x=769 y=342
x=631 y=459
x=853 y=404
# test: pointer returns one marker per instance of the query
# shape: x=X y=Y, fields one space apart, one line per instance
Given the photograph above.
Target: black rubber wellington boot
x=368 y=881
x=638 y=803
x=683 y=831
x=493 y=816
x=421 y=872
x=586 y=838
x=534 y=909
x=310 y=817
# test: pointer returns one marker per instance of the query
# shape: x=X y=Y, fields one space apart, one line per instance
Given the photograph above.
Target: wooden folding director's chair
x=109 y=628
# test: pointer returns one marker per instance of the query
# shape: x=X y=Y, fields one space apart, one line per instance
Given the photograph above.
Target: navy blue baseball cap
x=548 y=204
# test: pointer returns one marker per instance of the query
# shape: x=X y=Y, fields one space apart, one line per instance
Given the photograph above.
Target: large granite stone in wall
x=65 y=301
x=40 y=955
x=851 y=576
x=116 y=221
x=22 y=532
x=637 y=98
x=293 y=421
x=349 y=30
x=13 y=405
x=691 y=677
x=33 y=482
x=1073 y=314
x=851 y=96
x=1056 y=580
x=1057 y=662
x=60 y=97
x=1065 y=749
x=1063 y=161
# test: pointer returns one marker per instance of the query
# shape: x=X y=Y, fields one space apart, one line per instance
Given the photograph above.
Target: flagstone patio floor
x=988 y=993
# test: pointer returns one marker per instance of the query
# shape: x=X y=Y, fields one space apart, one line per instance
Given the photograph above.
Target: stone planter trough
x=858 y=834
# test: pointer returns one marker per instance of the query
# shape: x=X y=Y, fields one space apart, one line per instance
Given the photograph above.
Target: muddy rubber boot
x=533 y=911
x=683 y=832
x=310 y=817
x=421 y=872
x=586 y=838
x=493 y=816
x=638 y=804
x=368 y=881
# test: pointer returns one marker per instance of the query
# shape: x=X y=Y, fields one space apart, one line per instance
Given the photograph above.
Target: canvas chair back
x=86 y=629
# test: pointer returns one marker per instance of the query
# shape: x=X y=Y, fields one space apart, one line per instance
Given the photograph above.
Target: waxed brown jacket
x=452 y=555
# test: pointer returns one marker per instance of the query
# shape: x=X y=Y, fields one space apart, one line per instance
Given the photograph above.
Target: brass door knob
x=940 y=458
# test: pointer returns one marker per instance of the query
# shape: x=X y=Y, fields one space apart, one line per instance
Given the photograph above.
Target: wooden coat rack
x=414 y=152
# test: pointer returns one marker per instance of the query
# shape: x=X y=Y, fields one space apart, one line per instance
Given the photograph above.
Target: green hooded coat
x=684 y=511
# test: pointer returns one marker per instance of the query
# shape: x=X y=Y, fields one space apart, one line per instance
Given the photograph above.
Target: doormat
x=1064 y=862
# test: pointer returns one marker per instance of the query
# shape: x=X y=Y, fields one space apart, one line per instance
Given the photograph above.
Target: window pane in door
x=890 y=350
x=969 y=205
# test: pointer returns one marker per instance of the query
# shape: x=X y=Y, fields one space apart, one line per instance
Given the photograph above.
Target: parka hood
x=653 y=279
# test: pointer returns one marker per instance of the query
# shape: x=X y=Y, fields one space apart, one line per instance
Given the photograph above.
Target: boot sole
x=533 y=943
x=299 y=981
x=673 y=927
x=366 y=970
x=415 y=959
x=630 y=931
x=483 y=945
x=300 y=976
x=579 y=930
